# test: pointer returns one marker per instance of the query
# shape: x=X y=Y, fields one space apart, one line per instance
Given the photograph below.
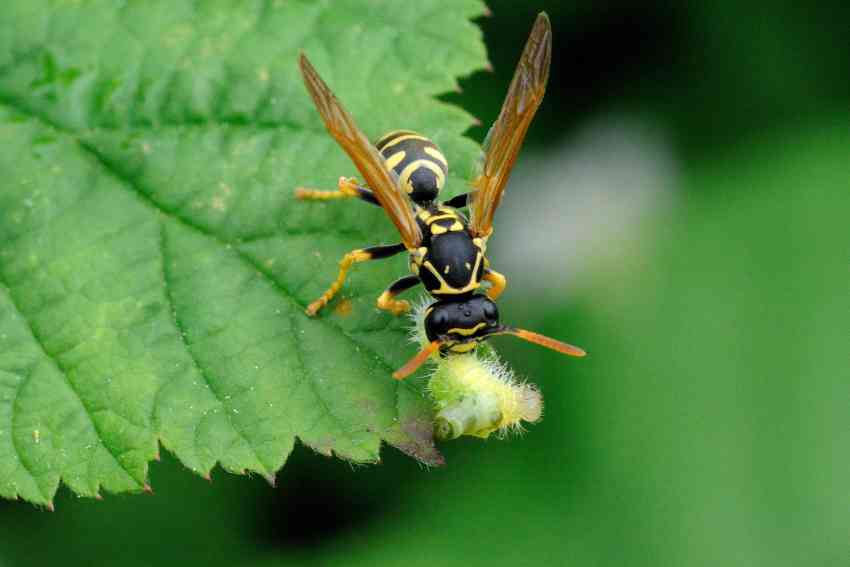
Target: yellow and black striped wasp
x=404 y=173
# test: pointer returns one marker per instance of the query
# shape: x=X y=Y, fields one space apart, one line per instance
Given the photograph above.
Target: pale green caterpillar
x=475 y=393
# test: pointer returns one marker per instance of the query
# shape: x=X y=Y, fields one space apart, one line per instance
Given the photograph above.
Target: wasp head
x=461 y=323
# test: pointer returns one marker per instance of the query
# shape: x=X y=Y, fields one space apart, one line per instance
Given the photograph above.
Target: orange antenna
x=417 y=361
x=545 y=341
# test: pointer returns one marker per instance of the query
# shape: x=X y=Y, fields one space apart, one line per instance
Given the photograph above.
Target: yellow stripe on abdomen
x=404 y=176
x=406 y=152
x=437 y=155
x=401 y=138
x=395 y=159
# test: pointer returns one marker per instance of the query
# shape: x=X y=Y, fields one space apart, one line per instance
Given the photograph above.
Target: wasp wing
x=364 y=155
x=505 y=137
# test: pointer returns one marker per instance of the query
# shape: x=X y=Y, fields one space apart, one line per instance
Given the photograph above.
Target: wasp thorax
x=461 y=322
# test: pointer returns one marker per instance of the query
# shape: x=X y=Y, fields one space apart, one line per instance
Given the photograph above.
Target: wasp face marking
x=462 y=323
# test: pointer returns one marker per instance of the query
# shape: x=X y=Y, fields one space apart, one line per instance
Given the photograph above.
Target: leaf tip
x=147 y=488
x=418 y=442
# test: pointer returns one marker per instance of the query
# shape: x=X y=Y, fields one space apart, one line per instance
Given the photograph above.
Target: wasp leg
x=498 y=282
x=397 y=306
x=460 y=201
x=347 y=189
x=360 y=255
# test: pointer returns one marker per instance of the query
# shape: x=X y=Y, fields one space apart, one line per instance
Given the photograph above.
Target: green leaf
x=154 y=267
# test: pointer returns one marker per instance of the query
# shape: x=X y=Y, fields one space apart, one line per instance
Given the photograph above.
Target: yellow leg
x=387 y=300
x=347 y=188
x=359 y=255
x=394 y=306
x=498 y=282
x=344 y=265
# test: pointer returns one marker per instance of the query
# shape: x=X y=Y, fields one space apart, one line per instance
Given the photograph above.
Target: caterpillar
x=475 y=393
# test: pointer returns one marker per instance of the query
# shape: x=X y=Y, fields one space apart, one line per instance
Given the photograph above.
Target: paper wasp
x=404 y=173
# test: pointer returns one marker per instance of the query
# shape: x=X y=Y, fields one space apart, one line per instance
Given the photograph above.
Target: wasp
x=404 y=173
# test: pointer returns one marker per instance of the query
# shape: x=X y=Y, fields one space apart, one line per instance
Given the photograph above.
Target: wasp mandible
x=404 y=173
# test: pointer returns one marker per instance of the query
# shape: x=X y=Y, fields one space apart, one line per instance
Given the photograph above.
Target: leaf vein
x=58 y=366
x=144 y=197
x=307 y=376
x=204 y=372
x=13 y=418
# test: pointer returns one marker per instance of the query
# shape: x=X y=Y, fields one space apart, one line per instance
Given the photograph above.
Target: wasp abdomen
x=418 y=162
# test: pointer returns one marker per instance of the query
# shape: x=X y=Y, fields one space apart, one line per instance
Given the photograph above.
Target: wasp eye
x=490 y=312
x=440 y=319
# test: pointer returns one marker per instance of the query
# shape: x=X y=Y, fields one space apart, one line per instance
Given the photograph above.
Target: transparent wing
x=364 y=155
x=505 y=138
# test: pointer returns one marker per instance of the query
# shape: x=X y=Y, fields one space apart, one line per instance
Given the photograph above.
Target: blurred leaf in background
x=709 y=424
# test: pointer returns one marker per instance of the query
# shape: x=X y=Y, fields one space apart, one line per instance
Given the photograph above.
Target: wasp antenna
x=545 y=341
x=417 y=361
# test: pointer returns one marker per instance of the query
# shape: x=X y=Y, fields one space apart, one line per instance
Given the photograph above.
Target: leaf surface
x=154 y=266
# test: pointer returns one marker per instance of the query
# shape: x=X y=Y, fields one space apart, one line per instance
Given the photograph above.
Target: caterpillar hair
x=475 y=393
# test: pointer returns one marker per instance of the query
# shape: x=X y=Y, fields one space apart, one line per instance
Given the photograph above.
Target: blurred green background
x=681 y=211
